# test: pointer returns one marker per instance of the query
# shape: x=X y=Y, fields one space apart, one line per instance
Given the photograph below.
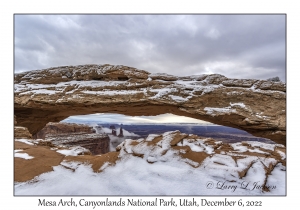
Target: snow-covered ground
x=134 y=176
x=161 y=169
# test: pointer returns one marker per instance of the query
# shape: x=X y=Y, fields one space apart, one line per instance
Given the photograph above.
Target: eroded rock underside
x=234 y=162
x=51 y=95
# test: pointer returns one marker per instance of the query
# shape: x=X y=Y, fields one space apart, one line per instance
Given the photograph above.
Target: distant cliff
x=54 y=129
x=71 y=134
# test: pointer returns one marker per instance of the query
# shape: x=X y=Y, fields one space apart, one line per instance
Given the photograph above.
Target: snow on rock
x=173 y=163
x=242 y=105
x=225 y=110
x=277 y=174
x=151 y=137
x=178 y=98
x=263 y=145
x=282 y=154
x=26 y=141
x=73 y=151
x=94 y=88
x=105 y=130
x=111 y=93
x=217 y=111
x=18 y=150
x=162 y=76
x=238 y=147
x=236 y=163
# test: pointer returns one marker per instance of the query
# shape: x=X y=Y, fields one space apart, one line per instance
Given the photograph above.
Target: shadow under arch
x=35 y=119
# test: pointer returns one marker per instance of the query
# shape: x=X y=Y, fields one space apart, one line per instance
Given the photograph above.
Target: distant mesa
x=112 y=127
x=56 y=129
x=51 y=95
x=71 y=134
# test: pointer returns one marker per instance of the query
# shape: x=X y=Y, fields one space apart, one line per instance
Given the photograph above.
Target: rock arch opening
x=35 y=120
x=54 y=94
x=103 y=132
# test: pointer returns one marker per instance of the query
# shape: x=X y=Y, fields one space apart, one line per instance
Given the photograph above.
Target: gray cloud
x=237 y=46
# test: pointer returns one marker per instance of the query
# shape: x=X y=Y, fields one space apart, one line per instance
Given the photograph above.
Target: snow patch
x=219 y=111
x=23 y=155
x=178 y=98
x=282 y=154
x=151 y=137
x=24 y=141
x=73 y=151
x=225 y=110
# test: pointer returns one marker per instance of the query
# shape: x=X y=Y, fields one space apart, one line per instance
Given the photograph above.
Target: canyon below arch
x=53 y=94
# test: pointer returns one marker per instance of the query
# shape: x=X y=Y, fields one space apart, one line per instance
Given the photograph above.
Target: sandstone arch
x=51 y=95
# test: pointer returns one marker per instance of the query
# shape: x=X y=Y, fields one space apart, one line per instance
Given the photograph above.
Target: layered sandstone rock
x=72 y=134
x=54 y=129
x=51 y=95
x=21 y=132
x=95 y=143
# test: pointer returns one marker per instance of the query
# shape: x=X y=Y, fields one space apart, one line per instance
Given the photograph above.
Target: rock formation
x=234 y=160
x=54 y=129
x=95 y=143
x=21 y=132
x=233 y=163
x=51 y=95
x=72 y=134
x=121 y=132
x=113 y=130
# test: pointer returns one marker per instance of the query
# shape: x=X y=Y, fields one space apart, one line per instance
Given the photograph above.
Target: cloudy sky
x=120 y=118
x=237 y=46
